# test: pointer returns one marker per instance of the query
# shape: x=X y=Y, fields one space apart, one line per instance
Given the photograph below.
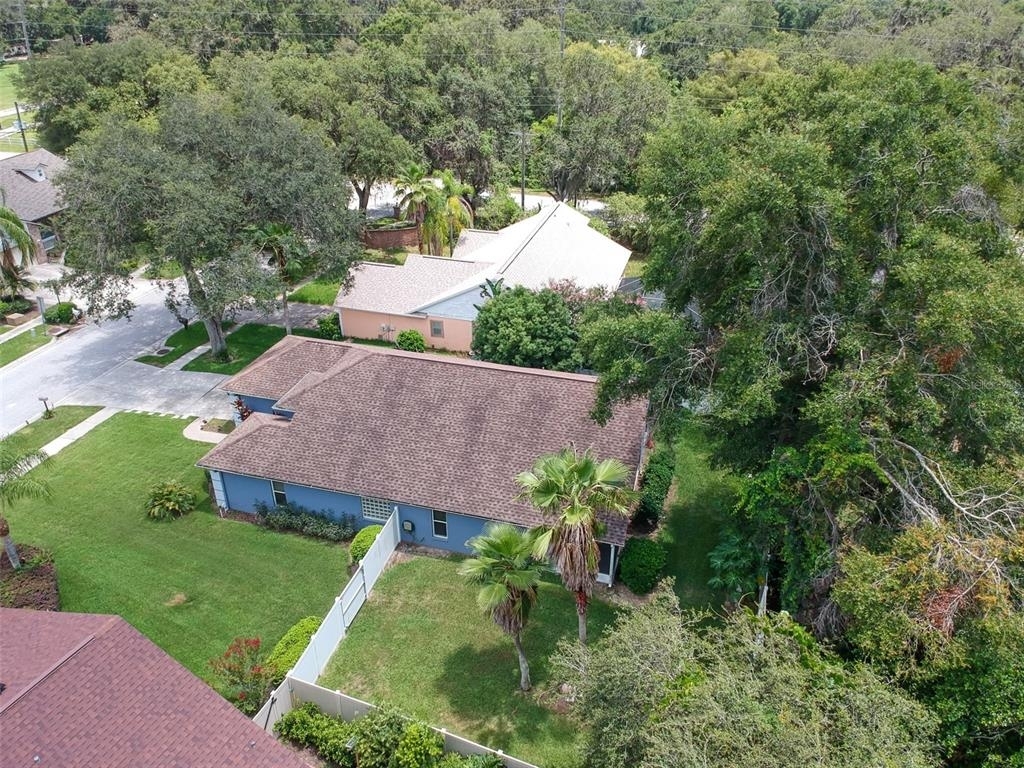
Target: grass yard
x=694 y=518
x=7 y=93
x=244 y=345
x=635 y=267
x=34 y=436
x=180 y=343
x=22 y=344
x=190 y=585
x=316 y=292
x=422 y=644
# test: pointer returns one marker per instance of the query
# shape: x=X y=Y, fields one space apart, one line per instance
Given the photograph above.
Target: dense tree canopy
x=529 y=328
x=192 y=185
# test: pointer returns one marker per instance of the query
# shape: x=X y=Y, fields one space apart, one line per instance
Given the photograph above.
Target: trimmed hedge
x=641 y=565
x=320 y=525
x=288 y=649
x=654 y=487
x=363 y=541
x=382 y=739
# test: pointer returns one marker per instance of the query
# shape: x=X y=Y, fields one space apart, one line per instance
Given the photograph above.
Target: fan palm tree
x=508 y=577
x=13 y=233
x=420 y=201
x=457 y=213
x=288 y=255
x=570 y=490
x=16 y=483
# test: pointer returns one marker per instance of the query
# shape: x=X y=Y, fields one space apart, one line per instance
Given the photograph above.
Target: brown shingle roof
x=86 y=690
x=431 y=431
x=282 y=366
x=31 y=199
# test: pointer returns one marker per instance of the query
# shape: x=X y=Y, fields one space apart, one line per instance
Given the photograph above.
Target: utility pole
x=561 y=57
x=24 y=34
x=522 y=157
x=21 y=126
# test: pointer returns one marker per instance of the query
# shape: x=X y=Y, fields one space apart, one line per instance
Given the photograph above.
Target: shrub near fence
x=320 y=525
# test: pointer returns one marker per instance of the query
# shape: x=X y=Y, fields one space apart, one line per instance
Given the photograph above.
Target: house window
x=437 y=329
x=280 y=497
x=378 y=510
x=440 y=524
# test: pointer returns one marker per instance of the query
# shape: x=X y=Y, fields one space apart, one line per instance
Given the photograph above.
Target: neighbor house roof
x=27 y=184
x=88 y=690
x=472 y=239
x=394 y=289
x=554 y=245
x=439 y=432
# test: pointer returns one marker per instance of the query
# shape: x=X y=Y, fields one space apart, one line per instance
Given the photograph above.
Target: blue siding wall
x=462 y=306
x=243 y=493
x=461 y=528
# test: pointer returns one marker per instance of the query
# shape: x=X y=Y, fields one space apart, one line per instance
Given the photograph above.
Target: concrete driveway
x=93 y=365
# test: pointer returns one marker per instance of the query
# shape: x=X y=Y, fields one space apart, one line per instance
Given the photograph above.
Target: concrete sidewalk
x=58 y=444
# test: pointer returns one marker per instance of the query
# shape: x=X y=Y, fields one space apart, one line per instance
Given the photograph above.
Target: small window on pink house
x=437 y=329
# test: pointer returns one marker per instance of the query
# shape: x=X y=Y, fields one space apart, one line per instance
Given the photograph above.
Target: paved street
x=93 y=365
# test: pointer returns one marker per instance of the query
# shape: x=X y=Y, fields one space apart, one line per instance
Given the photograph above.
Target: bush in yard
x=654 y=488
x=15 y=304
x=363 y=541
x=243 y=673
x=411 y=341
x=288 y=649
x=531 y=329
x=329 y=327
x=307 y=726
x=59 y=314
x=419 y=747
x=453 y=760
x=641 y=564
x=292 y=517
x=169 y=500
x=379 y=734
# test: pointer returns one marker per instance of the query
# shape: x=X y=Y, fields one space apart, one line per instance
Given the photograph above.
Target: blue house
x=368 y=431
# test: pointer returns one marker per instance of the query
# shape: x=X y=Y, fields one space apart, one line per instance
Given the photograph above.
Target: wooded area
x=830 y=195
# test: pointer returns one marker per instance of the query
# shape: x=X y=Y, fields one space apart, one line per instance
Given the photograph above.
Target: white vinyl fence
x=294 y=693
x=346 y=605
x=300 y=686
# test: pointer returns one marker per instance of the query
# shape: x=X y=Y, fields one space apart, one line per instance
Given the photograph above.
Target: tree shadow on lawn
x=481 y=686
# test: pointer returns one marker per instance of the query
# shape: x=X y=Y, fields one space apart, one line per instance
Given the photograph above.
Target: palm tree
x=14 y=233
x=508 y=577
x=16 y=483
x=570 y=490
x=288 y=255
x=458 y=213
x=421 y=202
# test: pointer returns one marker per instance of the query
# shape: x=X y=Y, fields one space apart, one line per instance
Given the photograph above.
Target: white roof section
x=396 y=290
x=472 y=239
x=556 y=244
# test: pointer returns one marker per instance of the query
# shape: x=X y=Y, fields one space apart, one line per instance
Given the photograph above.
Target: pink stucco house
x=439 y=296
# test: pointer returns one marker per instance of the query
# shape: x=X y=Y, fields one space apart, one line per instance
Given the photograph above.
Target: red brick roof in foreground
x=88 y=690
x=432 y=431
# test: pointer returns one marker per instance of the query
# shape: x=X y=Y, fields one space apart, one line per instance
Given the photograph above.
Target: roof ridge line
x=522 y=247
x=110 y=623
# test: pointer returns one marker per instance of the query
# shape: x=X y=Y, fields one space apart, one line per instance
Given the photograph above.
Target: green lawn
x=316 y=292
x=180 y=343
x=34 y=436
x=694 y=518
x=7 y=94
x=22 y=344
x=244 y=346
x=190 y=585
x=422 y=644
x=635 y=267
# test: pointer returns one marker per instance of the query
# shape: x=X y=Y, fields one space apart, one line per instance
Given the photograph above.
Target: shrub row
x=654 y=487
x=288 y=649
x=320 y=525
x=15 y=305
x=641 y=565
x=382 y=739
x=363 y=541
